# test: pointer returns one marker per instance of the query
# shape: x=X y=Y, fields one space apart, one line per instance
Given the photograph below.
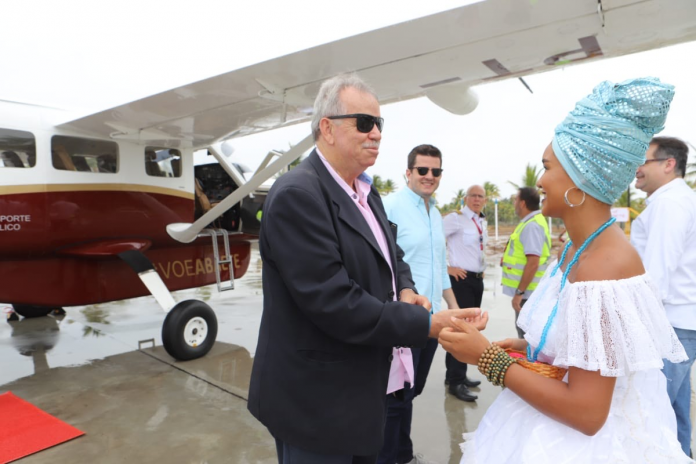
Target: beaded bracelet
x=487 y=357
x=494 y=363
x=501 y=364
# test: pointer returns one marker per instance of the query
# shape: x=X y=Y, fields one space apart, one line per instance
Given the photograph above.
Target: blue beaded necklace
x=533 y=357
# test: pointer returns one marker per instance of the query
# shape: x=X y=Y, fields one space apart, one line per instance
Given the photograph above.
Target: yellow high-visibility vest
x=514 y=259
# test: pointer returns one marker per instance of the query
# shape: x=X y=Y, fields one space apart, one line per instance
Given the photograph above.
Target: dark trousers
x=398 y=447
x=520 y=332
x=288 y=454
x=469 y=293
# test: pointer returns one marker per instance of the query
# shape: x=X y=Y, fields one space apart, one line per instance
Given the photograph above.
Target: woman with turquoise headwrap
x=585 y=385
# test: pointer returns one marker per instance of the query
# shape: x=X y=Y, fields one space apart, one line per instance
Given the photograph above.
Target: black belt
x=475 y=275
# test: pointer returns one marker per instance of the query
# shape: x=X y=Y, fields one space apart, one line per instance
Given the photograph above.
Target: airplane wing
x=438 y=56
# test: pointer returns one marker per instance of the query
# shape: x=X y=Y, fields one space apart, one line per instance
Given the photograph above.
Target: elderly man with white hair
x=338 y=296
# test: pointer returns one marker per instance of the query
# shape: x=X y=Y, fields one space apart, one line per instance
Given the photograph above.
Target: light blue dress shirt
x=421 y=237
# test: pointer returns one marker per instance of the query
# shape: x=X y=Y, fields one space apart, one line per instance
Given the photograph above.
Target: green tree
x=458 y=199
x=637 y=203
x=530 y=177
x=384 y=187
x=377 y=182
x=491 y=189
x=389 y=187
x=506 y=211
x=453 y=205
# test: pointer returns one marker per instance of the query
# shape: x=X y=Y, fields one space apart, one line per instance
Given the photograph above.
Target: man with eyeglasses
x=664 y=235
x=338 y=296
x=466 y=233
x=419 y=226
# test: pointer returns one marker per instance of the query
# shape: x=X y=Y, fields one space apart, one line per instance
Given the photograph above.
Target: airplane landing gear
x=189 y=330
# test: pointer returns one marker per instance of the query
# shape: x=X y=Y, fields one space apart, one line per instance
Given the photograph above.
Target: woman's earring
x=565 y=197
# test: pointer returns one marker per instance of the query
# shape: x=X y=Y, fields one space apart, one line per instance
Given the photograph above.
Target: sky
x=87 y=56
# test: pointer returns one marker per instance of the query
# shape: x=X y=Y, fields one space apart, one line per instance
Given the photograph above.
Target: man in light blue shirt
x=421 y=237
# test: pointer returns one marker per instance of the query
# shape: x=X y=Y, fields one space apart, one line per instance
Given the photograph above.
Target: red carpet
x=25 y=429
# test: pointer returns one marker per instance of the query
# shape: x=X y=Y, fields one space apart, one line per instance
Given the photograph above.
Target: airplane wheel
x=189 y=330
x=31 y=311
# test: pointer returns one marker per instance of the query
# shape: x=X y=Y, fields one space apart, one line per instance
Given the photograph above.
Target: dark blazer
x=329 y=321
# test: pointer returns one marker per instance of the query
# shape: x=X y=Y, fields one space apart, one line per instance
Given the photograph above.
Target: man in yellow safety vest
x=527 y=252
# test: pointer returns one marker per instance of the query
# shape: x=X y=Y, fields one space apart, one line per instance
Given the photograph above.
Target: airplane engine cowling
x=457 y=99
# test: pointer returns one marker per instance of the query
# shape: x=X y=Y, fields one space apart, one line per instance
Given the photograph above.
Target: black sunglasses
x=363 y=122
x=653 y=160
x=424 y=171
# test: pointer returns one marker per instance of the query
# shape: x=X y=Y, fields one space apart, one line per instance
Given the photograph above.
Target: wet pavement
x=102 y=369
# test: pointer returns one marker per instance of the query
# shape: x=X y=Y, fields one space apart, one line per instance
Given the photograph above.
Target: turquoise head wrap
x=603 y=140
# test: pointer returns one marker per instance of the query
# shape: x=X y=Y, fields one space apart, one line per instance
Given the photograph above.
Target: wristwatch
x=519 y=292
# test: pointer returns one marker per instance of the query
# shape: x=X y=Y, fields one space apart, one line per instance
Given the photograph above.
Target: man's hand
x=463 y=341
x=479 y=322
x=443 y=319
x=456 y=272
x=517 y=302
x=409 y=296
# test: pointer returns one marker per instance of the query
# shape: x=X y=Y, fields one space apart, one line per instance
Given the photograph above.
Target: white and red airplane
x=110 y=206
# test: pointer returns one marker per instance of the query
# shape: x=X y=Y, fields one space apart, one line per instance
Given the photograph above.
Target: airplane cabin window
x=17 y=149
x=84 y=155
x=162 y=162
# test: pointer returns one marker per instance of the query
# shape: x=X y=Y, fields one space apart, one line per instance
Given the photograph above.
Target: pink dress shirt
x=401 y=370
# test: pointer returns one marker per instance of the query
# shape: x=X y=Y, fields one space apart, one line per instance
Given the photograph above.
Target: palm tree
x=384 y=187
x=530 y=177
x=377 y=182
x=457 y=200
x=389 y=187
x=491 y=189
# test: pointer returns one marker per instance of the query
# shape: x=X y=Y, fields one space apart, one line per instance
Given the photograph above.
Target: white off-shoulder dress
x=616 y=327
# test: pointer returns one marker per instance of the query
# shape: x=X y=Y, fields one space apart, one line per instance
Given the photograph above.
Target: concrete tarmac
x=102 y=369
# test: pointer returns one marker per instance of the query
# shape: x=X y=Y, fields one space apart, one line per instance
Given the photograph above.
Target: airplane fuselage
x=69 y=204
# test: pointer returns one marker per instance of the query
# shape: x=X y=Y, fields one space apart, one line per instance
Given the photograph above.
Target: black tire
x=31 y=311
x=174 y=328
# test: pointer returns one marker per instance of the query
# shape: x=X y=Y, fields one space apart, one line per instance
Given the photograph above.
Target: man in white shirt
x=663 y=235
x=466 y=235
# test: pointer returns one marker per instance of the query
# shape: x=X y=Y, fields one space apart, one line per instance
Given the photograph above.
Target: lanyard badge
x=480 y=231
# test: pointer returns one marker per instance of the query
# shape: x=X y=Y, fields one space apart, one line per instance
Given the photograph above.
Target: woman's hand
x=480 y=322
x=517 y=344
x=464 y=342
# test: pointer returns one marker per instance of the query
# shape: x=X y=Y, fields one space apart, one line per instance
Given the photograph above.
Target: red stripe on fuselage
x=35 y=226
